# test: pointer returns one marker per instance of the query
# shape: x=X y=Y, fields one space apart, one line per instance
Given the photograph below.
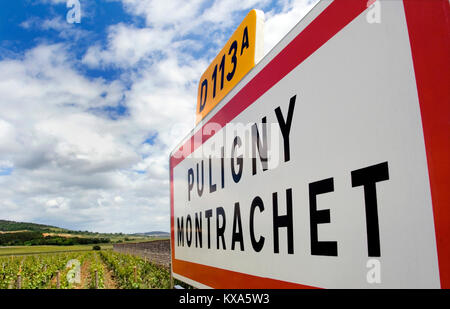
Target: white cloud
x=277 y=25
x=64 y=29
x=164 y=13
x=7 y=137
x=221 y=12
x=127 y=45
x=86 y=143
x=52 y=1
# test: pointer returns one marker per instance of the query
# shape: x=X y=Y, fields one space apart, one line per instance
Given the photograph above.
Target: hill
x=14 y=233
x=13 y=226
x=153 y=233
x=10 y=226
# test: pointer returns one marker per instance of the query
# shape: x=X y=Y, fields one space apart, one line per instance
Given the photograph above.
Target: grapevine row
x=36 y=271
x=133 y=272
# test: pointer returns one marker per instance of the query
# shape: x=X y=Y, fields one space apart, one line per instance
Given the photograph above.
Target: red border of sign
x=431 y=87
x=429 y=32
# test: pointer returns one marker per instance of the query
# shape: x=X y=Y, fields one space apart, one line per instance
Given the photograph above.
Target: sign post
x=326 y=166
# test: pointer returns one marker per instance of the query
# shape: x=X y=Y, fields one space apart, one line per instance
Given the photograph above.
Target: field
x=82 y=269
x=26 y=250
x=35 y=256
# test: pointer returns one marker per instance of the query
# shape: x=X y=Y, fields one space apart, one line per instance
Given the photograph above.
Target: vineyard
x=81 y=270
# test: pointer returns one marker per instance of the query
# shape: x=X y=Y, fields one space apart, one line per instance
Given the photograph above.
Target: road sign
x=327 y=165
x=239 y=55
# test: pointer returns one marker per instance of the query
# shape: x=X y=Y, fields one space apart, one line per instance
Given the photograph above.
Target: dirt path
x=109 y=279
x=84 y=276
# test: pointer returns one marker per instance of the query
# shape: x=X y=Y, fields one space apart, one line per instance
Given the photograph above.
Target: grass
x=26 y=250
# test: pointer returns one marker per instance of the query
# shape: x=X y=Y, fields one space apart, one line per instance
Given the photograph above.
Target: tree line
x=37 y=238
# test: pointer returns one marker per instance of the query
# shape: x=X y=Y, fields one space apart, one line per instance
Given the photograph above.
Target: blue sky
x=91 y=110
x=97 y=16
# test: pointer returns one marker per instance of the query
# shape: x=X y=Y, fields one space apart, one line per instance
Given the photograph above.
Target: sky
x=90 y=110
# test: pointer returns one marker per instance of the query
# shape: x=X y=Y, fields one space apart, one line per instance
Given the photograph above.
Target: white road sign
x=315 y=170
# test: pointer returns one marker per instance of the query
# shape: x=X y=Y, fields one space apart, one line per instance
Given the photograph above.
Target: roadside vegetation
x=36 y=256
x=81 y=270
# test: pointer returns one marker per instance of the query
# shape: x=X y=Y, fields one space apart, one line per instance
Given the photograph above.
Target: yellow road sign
x=239 y=55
